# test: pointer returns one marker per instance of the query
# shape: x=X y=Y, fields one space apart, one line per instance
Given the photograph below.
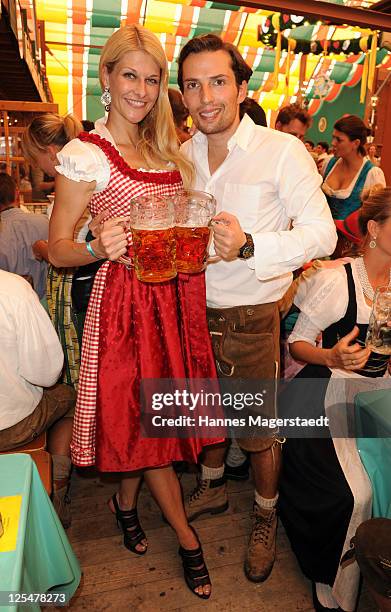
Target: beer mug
x=194 y=211
x=379 y=329
x=152 y=226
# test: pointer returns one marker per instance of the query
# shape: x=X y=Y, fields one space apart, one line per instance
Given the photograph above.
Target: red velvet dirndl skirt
x=147 y=330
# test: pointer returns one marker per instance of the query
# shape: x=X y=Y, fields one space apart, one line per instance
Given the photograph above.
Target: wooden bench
x=36 y=450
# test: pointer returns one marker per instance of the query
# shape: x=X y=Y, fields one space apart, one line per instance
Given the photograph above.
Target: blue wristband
x=91 y=250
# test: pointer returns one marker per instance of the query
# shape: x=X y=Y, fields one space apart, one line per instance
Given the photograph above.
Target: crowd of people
x=280 y=202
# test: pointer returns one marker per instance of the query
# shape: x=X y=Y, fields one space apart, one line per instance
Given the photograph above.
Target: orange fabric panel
x=134 y=8
x=184 y=26
x=232 y=28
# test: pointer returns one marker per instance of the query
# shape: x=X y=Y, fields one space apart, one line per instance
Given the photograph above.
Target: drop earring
x=372 y=244
x=106 y=99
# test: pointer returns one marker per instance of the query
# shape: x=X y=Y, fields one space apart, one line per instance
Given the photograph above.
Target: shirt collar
x=243 y=134
x=241 y=137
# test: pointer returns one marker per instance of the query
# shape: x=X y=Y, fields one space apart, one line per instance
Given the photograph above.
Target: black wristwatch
x=247 y=250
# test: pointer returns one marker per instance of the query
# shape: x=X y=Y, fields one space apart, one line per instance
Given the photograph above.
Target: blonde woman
x=133 y=330
x=42 y=140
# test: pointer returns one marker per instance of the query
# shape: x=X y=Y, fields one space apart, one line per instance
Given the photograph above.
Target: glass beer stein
x=194 y=211
x=153 y=235
x=379 y=329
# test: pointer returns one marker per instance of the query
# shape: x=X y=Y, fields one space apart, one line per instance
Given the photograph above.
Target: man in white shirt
x=19 y=230
x=272 y=217
x=31 y=360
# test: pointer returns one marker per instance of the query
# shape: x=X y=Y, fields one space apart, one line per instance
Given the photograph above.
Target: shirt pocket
x=243 y=201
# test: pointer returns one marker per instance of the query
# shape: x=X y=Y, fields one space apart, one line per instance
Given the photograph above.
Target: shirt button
x=250 y=311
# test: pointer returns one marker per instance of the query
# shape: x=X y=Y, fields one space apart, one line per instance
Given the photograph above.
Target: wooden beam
x=384 y=6
x=28 y=107
x=13 y=130
x=18 y=159
x=324 y=11
x=7 y=142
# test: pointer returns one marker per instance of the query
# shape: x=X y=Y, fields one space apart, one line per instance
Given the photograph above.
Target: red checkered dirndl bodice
x=99 y=435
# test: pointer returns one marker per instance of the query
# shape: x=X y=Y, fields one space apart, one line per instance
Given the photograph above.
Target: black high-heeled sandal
x=131 y=528
x=195 y=571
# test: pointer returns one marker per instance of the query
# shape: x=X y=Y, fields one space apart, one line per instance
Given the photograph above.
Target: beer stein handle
x=127 y=261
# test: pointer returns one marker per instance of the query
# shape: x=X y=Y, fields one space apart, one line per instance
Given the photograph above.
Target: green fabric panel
x=224 y=7
x=267 y=61
x=93 y=72
x=99 y=36
x=106 y=14
x=381 y=54
x=173 y=76
x=94 y=107
x=302 y=33
x=348 y=98
x=256 y=80
x=210 y=20
x=342 y=72
x=93 y=63
x=105 y=20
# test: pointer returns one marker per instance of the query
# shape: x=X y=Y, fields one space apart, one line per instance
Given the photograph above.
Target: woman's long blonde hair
x=158 y=141
x=49 y=129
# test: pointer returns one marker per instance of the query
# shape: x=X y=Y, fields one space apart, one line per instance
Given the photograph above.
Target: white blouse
x=323 y=300
x=375 y=176
x=85 y=161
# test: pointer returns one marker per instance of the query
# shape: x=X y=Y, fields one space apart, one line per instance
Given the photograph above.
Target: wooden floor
x=115 y=579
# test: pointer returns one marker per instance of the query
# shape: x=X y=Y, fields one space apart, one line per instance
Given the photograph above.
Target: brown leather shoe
x=261 y=551
x=209 y=496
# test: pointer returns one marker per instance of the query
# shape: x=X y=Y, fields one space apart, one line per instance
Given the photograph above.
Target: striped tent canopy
x=76 y=30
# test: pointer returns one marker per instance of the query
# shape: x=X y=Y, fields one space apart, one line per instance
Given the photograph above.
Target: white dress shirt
x=270 y=183
x=31 y=356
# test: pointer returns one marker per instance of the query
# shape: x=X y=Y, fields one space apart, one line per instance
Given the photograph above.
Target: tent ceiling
x=76 y=30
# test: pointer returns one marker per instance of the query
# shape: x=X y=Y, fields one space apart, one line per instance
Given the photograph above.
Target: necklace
x=364 y=280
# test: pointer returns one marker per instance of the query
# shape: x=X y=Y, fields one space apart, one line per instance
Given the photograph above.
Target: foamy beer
x=193 y=213
x=153 y=234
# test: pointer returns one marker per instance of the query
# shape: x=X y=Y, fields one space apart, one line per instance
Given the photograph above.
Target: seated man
x=31 y=358
x=18 y=231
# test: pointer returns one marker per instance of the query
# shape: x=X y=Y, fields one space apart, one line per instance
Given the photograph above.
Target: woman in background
x=348 y=173
x=42 y=140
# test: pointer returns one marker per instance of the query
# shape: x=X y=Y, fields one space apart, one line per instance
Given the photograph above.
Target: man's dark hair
x=250 y=107
x=310 y=142
x=324 y=145
x=355 y=129
x=212 y=42
x=7 y=190
x=294 y=111
x=179 y=110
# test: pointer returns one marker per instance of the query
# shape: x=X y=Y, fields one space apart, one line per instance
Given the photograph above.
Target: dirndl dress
x=135 y=330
